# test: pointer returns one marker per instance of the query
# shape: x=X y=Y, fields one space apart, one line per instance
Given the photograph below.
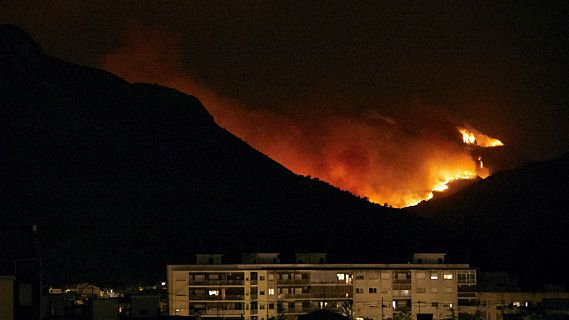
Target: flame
x=473 y=136
x=398 y=163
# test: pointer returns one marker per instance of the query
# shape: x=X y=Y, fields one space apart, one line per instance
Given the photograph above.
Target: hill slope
x=515 y=220
x=122 y=178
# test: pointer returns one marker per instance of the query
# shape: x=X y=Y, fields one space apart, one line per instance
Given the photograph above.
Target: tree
x=348 y=310
x=404 y=314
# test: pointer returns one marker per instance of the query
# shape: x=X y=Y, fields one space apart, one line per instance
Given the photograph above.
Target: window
x=213 y=292
x=420 y=275
x=360 y=277
x=271 y=292
x=372 y=290
x=262 y=293
x=291 y=305
x=341 y=276
x=466 y=277
x=447 y=276
x=434 y=276
x=384 y=290
x=434 y=290
x=359 y=290
x=271 y=305
x=434 y=304
x=262 y=278
x=448 y=290
x=421 y=290
x=385 y=276
x=271 y=276
x=262 y=306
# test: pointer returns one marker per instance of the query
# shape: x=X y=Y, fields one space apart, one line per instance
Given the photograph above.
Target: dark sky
x=503 y=68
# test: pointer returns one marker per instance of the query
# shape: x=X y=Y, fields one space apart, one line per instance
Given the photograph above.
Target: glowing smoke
x=394 y=161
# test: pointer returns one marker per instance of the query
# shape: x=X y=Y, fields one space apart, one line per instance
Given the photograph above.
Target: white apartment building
x=261 y=287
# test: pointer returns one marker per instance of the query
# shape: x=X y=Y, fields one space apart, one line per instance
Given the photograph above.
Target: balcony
x=282 y=282
x=216 y=282
x=316 y=296
x=222 y=312
x=204 y=297
x=402 y=281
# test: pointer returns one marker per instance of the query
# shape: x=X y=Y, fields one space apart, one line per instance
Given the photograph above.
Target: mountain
x=122 y=178
x=515 y=220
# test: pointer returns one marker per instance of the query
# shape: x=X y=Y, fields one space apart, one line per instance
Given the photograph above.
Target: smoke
x=397 y=161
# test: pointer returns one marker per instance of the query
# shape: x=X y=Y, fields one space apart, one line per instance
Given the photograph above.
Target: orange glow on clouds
x=386 y=160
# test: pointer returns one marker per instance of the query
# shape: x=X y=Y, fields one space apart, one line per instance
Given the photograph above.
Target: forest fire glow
x=396 y=162
x=474 y=137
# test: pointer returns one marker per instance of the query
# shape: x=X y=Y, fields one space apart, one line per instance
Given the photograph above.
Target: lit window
x=271 y=291
x=434 y=276
x=447 y=276
x=341 y=276
x=213 y=292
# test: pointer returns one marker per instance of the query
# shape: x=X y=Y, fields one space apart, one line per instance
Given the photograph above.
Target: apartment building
x=261 y=287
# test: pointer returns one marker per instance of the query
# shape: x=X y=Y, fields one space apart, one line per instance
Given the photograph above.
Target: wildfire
x=399 y=163
x=474 y=137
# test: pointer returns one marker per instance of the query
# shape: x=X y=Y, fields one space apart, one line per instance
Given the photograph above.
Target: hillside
x=123 y=178
x=516 y=220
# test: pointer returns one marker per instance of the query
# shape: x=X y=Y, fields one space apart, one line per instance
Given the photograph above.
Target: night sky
x=502 y=68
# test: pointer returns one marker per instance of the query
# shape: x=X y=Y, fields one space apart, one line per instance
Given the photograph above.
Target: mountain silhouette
x=515 y=220
x=122 y=178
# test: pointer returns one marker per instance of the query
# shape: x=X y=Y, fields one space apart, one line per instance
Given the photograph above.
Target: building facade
x=425 y=289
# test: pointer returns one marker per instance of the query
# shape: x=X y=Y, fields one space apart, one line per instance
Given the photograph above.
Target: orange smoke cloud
x=389 y=161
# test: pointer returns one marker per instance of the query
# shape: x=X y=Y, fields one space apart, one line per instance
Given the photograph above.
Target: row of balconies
x=216 y=298
x=222 y=282
x=310 y=282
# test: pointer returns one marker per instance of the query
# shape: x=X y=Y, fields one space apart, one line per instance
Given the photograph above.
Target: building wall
x=262 y=291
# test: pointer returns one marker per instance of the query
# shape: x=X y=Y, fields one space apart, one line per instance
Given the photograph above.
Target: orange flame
x=399 y=164
x=473 y=136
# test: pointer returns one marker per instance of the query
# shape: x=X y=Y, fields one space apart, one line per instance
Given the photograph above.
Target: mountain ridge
x=123 y=178
x=514 y=220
